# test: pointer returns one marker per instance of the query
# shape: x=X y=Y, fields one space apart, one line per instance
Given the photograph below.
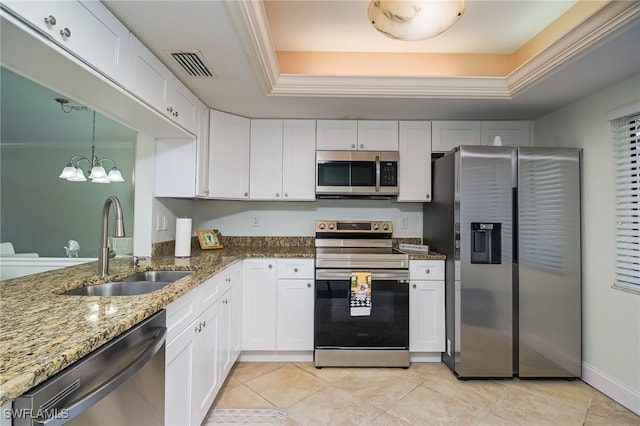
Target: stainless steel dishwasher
x=121 y=383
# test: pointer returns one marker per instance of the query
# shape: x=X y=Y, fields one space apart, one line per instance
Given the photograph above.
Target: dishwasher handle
x=113 y=382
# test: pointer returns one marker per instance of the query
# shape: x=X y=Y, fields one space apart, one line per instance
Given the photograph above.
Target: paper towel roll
x=183 y=237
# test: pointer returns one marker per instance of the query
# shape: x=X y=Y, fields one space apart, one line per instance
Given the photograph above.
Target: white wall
x=611 y=318
x=236 y=218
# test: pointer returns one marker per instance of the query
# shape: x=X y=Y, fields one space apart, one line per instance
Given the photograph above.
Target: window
x=625 y=133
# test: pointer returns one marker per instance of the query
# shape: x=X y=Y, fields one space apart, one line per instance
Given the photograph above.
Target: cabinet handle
x=198 y=328
x=428 y=196
x=295 y=269
x=286 y=195
x=246 y=194
x=277 y=194
x=65 y=32
x=204 y=324
x=175 y=114
x=353 y=145
x=169 y=109
x=361 y=145
x=50 y=20
x=428 y=271
x=270 y=266
x=308 y=285
x=414 y=286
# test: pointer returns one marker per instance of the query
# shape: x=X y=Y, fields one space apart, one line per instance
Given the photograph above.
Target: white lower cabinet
x=200 y=355
x=277 y=305
x=426 y=306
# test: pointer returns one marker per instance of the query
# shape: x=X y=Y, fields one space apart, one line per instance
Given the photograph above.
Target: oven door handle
x=377 y=173
x=382 y=274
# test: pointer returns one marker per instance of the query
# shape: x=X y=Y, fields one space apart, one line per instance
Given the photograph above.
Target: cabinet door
x=206 y=378
x=426 y=316
x=512 y=133
x=447 y=135
x=229 y=327
x=259 y=304
x=181 y=313
x=182 y=105
x=295 y=315
x=299 y=160
x=202 y=153
x=85 y=28
x=265 y=172
x=179 y=374
x=147 y=77
x=96 y=36
x=415 y=161
x=175 y=168
x=228 y=156
x=376 y=135
x=337 y=135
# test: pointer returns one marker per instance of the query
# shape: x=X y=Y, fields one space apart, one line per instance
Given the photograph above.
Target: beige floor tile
x=424 y=406
x=239 y=396
x=574 y=393
x=524 y=408
x=287 y=385
x=328 y=374
x=380 y=387
x=245 y=371
x=604 y=407
x=386 y=419
x=491 y=420
x=332 y=406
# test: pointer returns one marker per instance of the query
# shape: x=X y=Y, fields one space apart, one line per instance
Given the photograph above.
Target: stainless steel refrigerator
x=508 y=220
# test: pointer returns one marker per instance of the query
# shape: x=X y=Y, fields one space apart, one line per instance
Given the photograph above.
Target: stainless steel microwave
x=372 y=174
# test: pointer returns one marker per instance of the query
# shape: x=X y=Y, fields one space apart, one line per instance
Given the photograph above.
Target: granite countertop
x=43 y=331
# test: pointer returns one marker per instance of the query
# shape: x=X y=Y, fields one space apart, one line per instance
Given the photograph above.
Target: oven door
x=387 y=325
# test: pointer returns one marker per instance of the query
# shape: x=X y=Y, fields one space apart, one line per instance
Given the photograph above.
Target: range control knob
x=376 y=226
x=332 y=226
x=321 y=226
x=385 y=226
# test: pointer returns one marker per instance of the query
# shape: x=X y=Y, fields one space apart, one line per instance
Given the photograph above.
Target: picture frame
x=209 y=239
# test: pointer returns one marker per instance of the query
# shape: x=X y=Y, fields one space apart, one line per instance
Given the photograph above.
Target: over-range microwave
x=367 y=174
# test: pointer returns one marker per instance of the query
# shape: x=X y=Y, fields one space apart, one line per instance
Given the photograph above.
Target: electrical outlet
x=404 y=224
x=165 y=225
x=158 y=223
x=255 y=221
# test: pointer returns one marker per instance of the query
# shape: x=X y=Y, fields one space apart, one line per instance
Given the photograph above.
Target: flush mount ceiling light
x=414 y=20
x=72 y=171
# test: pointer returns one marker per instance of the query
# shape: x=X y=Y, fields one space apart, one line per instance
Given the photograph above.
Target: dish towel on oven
x=360 y=294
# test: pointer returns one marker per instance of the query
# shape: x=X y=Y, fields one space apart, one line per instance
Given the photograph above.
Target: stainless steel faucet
x=104 y=254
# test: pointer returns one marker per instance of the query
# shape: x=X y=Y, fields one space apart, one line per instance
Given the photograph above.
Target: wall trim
x=615 y=390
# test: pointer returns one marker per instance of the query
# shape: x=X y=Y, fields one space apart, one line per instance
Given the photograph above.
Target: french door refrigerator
x=508 y=220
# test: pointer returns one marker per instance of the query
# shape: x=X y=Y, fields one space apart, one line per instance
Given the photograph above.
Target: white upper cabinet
x=85 y=28
x=299 y=160
x=376 y=135
x=337 y=135
x=175 y=168
x=229 y=137
x=353 y=135
x=415 y=161
x=265 y=171
x=202 y=153
x=447 y=135
x=512 y=133
x=150 y=80
x=282 y=160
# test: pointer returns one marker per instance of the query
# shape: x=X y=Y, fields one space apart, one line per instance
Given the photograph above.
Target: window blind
x=626 y=168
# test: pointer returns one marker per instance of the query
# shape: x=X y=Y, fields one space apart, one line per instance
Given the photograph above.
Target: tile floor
x=425 y=394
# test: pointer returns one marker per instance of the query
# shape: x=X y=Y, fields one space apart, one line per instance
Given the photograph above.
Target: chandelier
x=414 y=20
x=97 y=173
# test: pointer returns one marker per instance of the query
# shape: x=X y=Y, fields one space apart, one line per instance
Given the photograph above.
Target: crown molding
x=250 y=20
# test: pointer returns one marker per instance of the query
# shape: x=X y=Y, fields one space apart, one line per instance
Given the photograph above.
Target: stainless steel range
x=361 y=296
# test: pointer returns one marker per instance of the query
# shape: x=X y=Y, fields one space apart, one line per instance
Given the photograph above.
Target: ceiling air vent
x=193 y=63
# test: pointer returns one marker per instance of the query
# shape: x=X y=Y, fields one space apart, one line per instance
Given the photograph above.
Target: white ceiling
x=248 y=81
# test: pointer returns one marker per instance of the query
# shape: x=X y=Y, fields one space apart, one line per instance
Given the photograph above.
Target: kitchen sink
x=156 y=276
x=140 y=283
